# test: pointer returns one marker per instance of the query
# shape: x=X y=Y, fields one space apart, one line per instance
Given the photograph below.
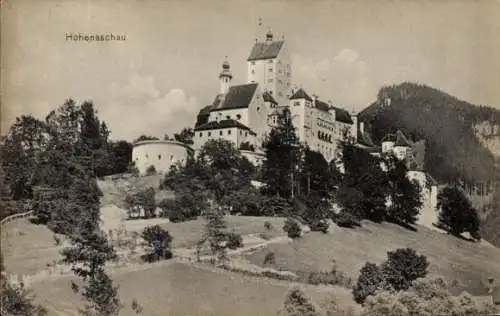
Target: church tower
x=225 y=77
x=269 y=65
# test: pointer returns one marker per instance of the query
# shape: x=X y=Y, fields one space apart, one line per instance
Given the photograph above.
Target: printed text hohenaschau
x=91 y=37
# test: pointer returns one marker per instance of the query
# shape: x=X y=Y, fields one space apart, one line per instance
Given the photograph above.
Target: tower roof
x=225 y=70
x=300 y=94
x=262 y=51
x=401 y=140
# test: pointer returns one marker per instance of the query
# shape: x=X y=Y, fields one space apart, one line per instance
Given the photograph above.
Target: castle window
x=159 y=157
x=201 y=134
x=270 y=69
x=246 y=134
x=220 y=133
x=228 y=117
x=253 y=72
x=171 y=157
x=258 y=109
x=229 y=132
x=296 y=103
x=238 y=116
x=270 y=61
x=252 y=63
x=209 y=134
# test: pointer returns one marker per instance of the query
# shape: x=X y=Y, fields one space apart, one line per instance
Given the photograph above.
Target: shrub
x=159 y=243
x=151 y=170
x=371 y=279
x=136 y=307
x=292 y=228
x=346 y=220
x=145 y=199
x=319 y=226
x=332 y=277
x=268 y=225
x=297 y=304
x=270 y=258
x=234 y=240
x=404 y=266
x=426 y=297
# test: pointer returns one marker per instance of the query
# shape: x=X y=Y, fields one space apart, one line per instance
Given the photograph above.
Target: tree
x=404 y=266
x=401 y=269
x=144 y=138
x=364 y=188
x=317 y=176
x=101 y=295
x=370 y=280
x=144 y=199
x=23 y=145
x=215 y=234
x=405 y=194
x=297 y=304
x=185 y=136
x=7 y=205
x=282 y=157
x=159 y=243
x=456 y=212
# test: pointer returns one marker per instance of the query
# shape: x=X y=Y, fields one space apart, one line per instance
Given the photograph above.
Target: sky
x=156 y=80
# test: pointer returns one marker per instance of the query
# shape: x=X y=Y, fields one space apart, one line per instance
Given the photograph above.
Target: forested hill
x=446 y=123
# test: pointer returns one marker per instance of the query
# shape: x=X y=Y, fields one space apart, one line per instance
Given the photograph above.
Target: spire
x=225 y=77
x=269 y=36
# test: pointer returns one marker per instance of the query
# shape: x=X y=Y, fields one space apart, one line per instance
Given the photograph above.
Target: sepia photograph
x=250 y=157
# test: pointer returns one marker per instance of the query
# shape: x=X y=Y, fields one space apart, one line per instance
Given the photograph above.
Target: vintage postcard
x=250 y=157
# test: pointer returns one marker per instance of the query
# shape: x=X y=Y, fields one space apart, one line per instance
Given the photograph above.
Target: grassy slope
x=178 y=289
x=450 y=257
x=31 y=247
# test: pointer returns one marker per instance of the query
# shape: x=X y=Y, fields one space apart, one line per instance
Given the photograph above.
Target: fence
x=4 y=240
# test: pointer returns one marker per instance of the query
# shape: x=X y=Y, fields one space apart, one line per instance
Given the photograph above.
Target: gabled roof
x=265 y=50
x=203 y=115
x=223 y=125
x=389 y=138
x=320 y=105
x=342 y=115
x=401 y=140
x=205 y=110
x=269 y=98
x=300 y=94
x=237 y=97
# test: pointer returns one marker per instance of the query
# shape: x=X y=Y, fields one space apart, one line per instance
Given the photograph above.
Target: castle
x=246 y=113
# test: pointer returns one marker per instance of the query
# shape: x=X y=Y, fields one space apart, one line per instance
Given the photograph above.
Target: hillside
x=462 y=139
x=449 y=126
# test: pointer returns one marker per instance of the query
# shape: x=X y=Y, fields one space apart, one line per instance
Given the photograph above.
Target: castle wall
x=159 y=153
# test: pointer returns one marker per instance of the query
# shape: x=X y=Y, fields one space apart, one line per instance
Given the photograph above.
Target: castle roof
x=269 y=98
x=236 y=98
x=323 y=106
x=223 y=125
x=262 y=51
x=401 y=140
x=342 y=115
x=300 y=94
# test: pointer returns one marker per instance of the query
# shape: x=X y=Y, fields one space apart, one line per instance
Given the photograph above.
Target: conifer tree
x=282 y=157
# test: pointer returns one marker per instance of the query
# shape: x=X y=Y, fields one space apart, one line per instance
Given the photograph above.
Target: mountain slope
x=453 y=151
x=461 y=138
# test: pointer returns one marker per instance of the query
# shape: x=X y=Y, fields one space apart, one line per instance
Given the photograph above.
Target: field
x=178 y=289
x=455 y=259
